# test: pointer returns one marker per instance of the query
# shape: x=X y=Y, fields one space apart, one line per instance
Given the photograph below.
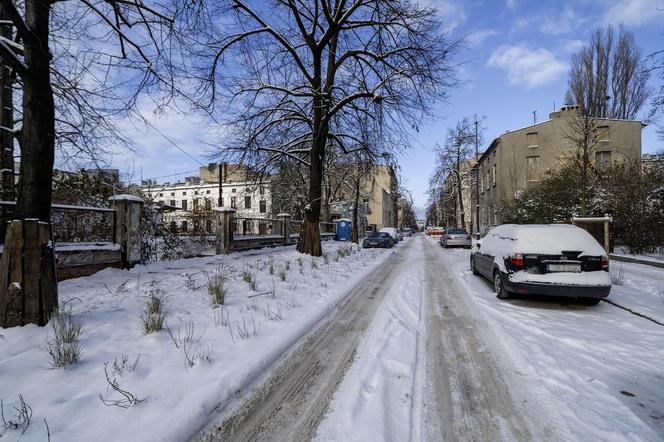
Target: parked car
x=543 y=259
x=436 y=231
x=393 y=233
x=407 y=232
x=378 y=239
x=400 y=234
x=456 y=238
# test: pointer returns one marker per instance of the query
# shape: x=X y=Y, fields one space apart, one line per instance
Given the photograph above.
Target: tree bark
x=8 y=190
x=38 y=132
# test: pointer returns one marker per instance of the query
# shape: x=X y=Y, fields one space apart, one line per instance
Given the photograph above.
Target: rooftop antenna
x=534 y=117
x=554 y=105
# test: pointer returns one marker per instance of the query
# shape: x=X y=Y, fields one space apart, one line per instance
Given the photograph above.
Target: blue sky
x=516 y=61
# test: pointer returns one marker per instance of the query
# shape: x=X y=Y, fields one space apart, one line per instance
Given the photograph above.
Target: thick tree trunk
x=309 y=240
x=354 y=235
x=28 y=282
x=38 y=132
x=8 y=190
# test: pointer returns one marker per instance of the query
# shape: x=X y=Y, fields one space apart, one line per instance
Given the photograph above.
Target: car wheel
x=590 y=301
x=473 y=267
x=498 y=285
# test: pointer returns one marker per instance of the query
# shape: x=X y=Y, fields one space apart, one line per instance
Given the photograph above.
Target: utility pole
x=477 y=181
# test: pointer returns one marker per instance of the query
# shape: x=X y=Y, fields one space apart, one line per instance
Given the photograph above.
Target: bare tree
x=139 y=37
x=609 y=78
x=304 y=71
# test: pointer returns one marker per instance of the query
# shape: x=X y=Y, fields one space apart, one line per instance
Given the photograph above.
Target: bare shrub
x=190 y=282
x=282 y=275
x=273 y=313
x=250 y=278
x=216 y=285
x=65 y=347
x=314 y=265
x=127 y=399
x=245 y=332
x=22 y=416
x=206 y=354
x=287 y=265
x=153 y=314
x=122 y=288
x=221 y=316
x=124 y=365
x=186 y=340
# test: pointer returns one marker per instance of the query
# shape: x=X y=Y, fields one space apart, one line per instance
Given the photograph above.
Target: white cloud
x=573 y=46
x=512 y=4
x=527 y=67
x=476 y=38
x=451 y=12
x=552 y=21
x=634 y=12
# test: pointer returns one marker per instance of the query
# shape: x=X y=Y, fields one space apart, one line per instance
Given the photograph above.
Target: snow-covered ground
x=178 y=398
x=380 y=396
x=655 y=257
x=599 y=368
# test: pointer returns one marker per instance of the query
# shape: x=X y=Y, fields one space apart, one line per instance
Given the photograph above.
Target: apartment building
x=199 y=195
x=518 y=159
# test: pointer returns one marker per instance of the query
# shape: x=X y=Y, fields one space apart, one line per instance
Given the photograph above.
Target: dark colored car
x=556 y=260
x=378 y=239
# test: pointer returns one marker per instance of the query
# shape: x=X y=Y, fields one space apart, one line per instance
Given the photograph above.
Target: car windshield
x=378 y=235
x=457 y=231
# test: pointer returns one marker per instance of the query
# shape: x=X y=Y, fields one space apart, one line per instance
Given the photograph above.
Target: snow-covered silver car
x=456 y=238
x=543 y=259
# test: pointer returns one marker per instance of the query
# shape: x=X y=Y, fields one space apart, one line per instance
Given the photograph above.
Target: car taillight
x=517 y=259
x=605 y=263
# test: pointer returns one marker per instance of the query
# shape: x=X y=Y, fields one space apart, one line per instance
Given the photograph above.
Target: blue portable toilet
x=344 y=230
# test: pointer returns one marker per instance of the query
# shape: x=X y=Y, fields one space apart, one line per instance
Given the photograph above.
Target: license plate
x=373 y=243
x=572 y=268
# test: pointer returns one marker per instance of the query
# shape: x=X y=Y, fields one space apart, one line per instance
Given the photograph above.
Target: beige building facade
x=517 y=160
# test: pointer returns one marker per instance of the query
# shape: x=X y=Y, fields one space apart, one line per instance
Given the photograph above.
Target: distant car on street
x=543 y=259
x=437 y=231
x=407 y=232
x=378 y=239
x=456 y=238
x=393 y=232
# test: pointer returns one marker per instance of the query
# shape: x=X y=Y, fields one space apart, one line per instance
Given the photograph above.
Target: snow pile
x=177 y=379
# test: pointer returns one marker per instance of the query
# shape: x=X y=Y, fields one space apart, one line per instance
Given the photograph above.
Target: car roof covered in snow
x=544 y=239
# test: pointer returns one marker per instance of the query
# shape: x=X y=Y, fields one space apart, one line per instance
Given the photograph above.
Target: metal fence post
x=285 y=226
x=127 y=229
x=224 y=230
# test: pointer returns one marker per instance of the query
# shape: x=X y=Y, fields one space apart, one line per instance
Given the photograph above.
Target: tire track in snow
x=291 y=403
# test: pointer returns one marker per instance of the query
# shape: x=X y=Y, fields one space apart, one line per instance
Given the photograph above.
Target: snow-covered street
x=386 y=345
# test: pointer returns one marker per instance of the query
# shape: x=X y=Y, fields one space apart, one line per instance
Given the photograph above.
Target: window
x=493 y=175
x=603 y=133
x=161 y=194
x=531 y=139
x=233 y=202
x=195 y=203
x=184 y=204
x=261 y=190
x=184 y=193
x=184 y=226
x=195 y=192
x=172 y=193
x=532 y=169
x=208 y=225
x=233 y=190
x=602 y=161
x=262 y=206
x=208 y=204
x=247 y=202
x=482 y=181
x=207 y=191
x=488 y=179
x=173 y=203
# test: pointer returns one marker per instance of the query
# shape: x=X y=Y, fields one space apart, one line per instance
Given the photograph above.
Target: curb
x=636 y=260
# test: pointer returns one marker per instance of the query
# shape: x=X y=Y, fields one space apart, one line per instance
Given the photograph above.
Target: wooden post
x=285 y=227
x=127 y=229
x=607 y=242
x=224 y=230
x=28 y=282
